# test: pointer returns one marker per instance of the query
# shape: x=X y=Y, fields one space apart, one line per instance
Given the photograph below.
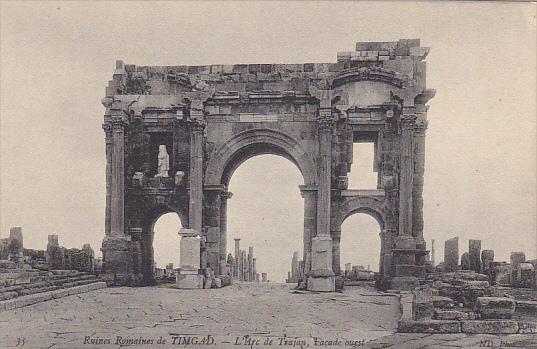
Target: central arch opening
x=267 y=212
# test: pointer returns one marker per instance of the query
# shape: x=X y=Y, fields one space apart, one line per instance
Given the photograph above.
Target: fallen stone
x=490 y=326
x=429 y=326
x=495 y=307
x=217 y=283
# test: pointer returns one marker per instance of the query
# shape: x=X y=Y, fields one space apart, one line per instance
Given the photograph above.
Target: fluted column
x=108 y=140
x=417 y=183
x=321 y=277
x=406 y=175
x=196 y=173
x=325 y=129
x=309 y=193
x=117 y=200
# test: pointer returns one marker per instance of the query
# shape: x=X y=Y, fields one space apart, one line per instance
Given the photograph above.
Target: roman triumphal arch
x=175 y=134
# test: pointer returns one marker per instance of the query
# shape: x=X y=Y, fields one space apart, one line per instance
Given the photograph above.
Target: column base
x=189 y=281
x=322 y=284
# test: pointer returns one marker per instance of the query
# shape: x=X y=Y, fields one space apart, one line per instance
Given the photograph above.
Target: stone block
x=443 y=302
x=527 y=327
x=489 y=326
x=450 y=315
x=495 y=307
x=422 y=303
x=189 y=281
x=429 y=326
x=321 y=284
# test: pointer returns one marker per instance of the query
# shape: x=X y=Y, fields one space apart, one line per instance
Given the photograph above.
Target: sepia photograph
x=268 y=174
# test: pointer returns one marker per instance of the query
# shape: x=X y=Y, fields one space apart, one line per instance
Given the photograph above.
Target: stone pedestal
x=188 y=277
x=321 y=277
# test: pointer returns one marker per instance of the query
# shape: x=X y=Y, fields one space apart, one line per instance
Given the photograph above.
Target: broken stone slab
x=450 y=315
x=489 y=326
x=429 y=326
x=495 y=307
x=441 y=302
x=451 y=255
x=474 y=253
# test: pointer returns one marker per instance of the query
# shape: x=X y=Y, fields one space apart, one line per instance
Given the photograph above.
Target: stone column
x=406 y=247
x=117 y=210
x=223 y=230
x=237 y=255
x=420 y=128
x=108 y=140
x=309 y=193
x=406 y=175
x=197 y=125
x=251 y=274
x=254 y=270
x=321 y=275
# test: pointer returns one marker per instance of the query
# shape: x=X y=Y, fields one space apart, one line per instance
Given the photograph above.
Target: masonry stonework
x=212 y=118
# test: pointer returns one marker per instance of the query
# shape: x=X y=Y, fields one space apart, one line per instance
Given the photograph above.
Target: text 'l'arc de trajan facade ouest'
x=209 y=119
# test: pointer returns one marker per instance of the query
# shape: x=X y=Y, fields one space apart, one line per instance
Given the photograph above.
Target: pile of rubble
x=476 y=296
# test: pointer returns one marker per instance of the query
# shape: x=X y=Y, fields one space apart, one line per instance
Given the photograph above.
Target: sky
x=480 y=176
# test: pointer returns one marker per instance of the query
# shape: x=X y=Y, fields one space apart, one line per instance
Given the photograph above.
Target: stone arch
x=146 y=242
x=244 y=145
x=360 y=204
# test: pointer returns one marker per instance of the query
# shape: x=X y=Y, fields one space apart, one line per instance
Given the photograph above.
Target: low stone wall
x=23 y=301
x=20 y=287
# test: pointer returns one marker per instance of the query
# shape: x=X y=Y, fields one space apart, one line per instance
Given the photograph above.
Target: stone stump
x=474 y=251
x=487 y=257
x=525 y=275
x=451 y=255
x=465 y=261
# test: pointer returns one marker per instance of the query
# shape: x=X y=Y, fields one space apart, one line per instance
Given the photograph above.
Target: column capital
x=197 y=124
x=325 y=119
x=408 y=122
x=118 y=123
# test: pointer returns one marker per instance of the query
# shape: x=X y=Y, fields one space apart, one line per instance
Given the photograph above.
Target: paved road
x=244 y=315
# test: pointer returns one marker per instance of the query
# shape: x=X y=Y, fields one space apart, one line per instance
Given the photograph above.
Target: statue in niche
x=163 y=162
